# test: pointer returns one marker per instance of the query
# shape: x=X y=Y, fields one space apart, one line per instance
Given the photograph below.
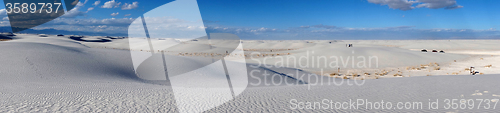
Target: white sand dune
x=59 y=74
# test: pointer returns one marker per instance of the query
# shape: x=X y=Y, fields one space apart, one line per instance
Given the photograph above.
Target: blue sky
x=305 y=19
x=479 y=14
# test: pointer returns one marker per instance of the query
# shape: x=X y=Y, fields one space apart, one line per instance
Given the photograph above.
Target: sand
x=60 y=74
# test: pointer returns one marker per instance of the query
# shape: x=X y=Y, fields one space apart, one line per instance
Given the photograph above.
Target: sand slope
x=413 y=89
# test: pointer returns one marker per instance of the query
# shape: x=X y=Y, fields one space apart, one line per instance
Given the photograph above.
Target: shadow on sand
x=79 y=38
x=5 y=37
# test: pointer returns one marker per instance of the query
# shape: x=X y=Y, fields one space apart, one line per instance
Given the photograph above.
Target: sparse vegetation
x=383 y=73
x=488 y=66
x=437 y=68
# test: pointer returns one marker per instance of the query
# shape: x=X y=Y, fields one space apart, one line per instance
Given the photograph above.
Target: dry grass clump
x=361 y=79
x=397 y=74
x=467 y=69
x=354 y=75
x=481 y=73
x=454 y=73
x=482 y=59
x=367 y=73
x=428 y=75
x=382 y=74
x=437 y=68
x=488 y=66
x=345 y=77
x=415 y=68
x=423 y=66
x=334 y=74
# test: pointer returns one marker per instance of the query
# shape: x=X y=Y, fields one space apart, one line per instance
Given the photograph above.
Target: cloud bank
x=410 y=4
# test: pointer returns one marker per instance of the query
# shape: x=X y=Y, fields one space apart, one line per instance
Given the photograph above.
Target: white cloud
x=3 y=12
x=408 y=4
x=243 y=30
x=96 y=3
x=127 y=6
x=454 y=7
x=114 y=14
x=75 y=2
x=170 y=27
x=111 y=4
x=395 y=4
x=436 y=4
x=91 y=21
x=320 y=26
x=262 y=29
x=90 y=9
x=92 y=25
x=75 y=11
